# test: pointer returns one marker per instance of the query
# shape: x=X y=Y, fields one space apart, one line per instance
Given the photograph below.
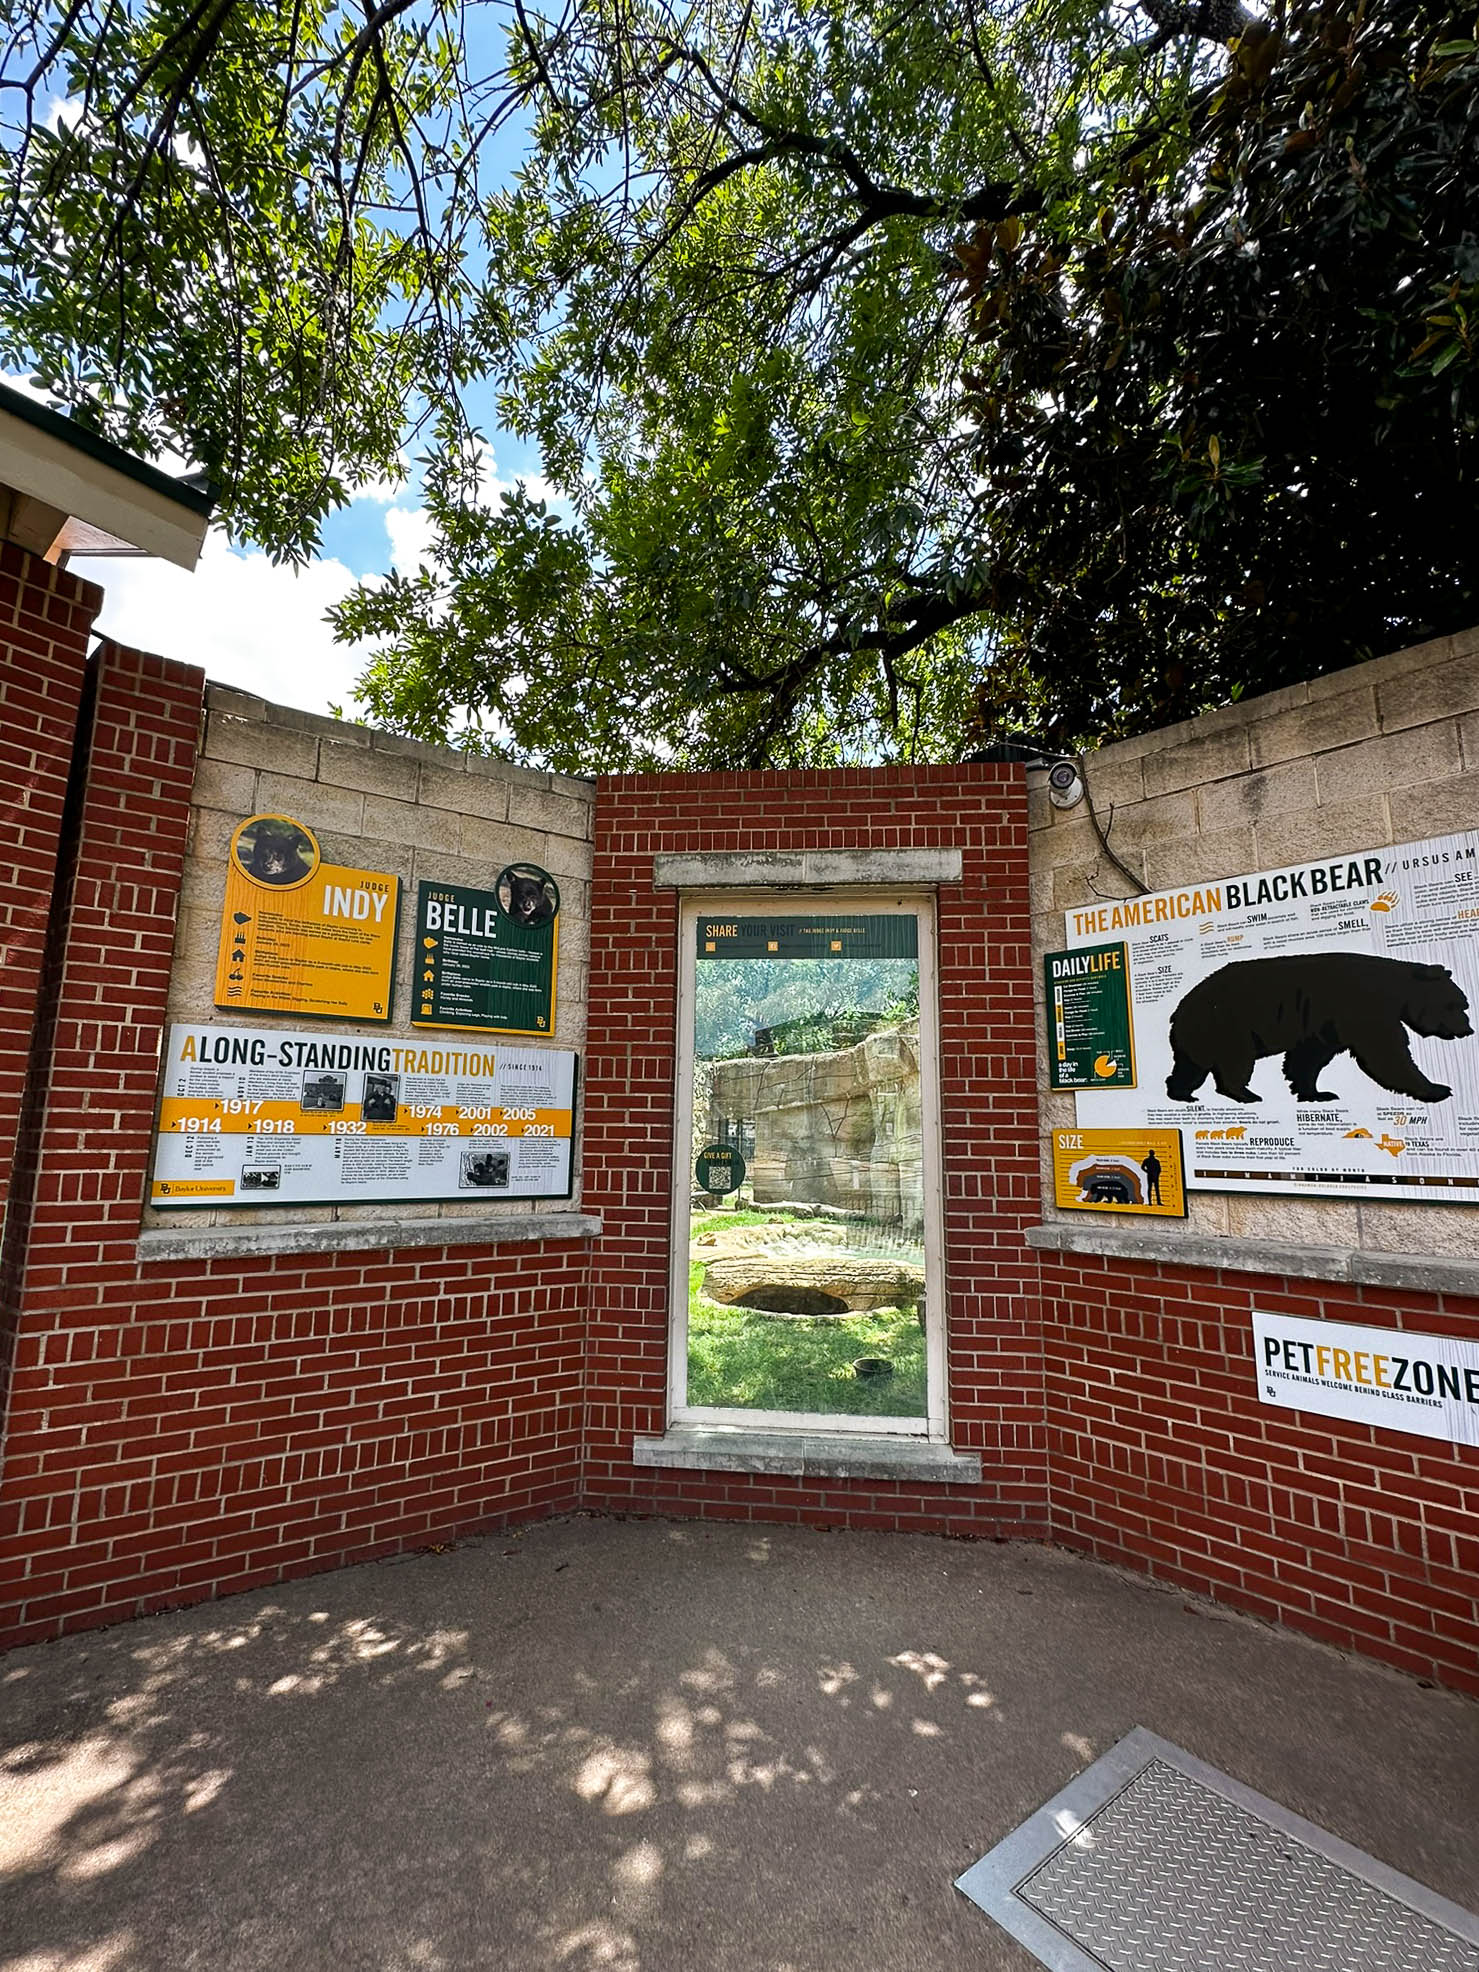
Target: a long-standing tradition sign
x=269 y=1116
x=1308 y=1029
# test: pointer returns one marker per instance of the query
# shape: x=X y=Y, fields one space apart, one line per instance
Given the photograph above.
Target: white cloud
x=252 y=624
x=246 y=621
x=382 y=491
x=410 y=528
x=410 y=533
x=491 y=487
x=59 y=112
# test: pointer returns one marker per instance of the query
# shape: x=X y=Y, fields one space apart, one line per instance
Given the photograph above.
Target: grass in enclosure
x=738 y=1359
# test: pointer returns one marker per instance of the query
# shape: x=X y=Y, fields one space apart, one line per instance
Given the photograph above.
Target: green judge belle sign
x=486 y=959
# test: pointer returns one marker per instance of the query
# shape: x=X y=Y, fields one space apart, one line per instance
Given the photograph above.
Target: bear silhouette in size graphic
x=1310 y=1007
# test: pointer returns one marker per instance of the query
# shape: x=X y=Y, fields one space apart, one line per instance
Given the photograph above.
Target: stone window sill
x=808 y=1455
x=361 y=1235
x=1261 y=1256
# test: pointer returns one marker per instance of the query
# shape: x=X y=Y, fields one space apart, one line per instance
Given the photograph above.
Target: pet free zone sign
x=1310 y=1030
x=1428 y=1384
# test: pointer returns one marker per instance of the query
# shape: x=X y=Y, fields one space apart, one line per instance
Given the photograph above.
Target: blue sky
x=260 y=627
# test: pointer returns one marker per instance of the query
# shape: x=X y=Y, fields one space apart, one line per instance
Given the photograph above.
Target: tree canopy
x=732 y=270
x=246 y=232
x=1228 y=430
x=909 y=374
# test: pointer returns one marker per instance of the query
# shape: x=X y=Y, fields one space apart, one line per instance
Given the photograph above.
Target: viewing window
x=806 y=1277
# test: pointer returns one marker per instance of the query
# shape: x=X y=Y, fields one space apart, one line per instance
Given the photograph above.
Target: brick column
x=989 y=1105
x=107 y=987
x=186 y=1428
x=45 y=620
x=46 y=617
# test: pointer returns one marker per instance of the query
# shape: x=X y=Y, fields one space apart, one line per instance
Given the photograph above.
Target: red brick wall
x=1161 y=1456
x=989 y=1102
x=45 y=620
x=179 y=1431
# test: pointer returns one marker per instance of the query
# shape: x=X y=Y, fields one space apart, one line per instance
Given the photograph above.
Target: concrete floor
x=600 y=1746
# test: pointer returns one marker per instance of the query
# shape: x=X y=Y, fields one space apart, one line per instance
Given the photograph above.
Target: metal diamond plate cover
x=1170 y=1877
x=1153 y=1862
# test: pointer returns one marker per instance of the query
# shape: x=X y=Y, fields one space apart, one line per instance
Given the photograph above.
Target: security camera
x=1065 y=789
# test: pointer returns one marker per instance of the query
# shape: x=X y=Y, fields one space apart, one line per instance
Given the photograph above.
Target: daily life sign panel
x=1309 y=1029
x=1382 y=1376
x=1090 y=1037
x=270 y=1116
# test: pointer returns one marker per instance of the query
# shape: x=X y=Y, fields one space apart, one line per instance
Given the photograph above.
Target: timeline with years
x=275 y=1117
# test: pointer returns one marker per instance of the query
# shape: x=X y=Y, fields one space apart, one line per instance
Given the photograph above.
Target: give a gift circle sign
x=719 y=1169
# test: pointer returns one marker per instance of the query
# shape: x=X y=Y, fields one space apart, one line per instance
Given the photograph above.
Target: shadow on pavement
x=603 y=1746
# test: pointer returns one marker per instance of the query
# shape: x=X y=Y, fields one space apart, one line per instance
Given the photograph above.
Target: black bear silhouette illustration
x=1310 y=1007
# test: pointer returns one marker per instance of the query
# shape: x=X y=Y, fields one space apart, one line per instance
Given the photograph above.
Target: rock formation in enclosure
x=841 y=1129
x=825 y=1284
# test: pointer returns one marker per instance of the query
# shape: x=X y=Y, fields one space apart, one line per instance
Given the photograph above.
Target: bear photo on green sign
x=527 y=895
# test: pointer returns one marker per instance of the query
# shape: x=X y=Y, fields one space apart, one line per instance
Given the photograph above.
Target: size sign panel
x=266 y=1116
x=1427 y=1384
x=1137 y=1172
x=480 y=965
x=1090 y=1039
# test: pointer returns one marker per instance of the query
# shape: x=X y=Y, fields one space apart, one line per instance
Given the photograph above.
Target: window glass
x=806 y=1238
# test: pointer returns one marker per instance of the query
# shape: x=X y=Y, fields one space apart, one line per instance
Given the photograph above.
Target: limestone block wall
x=379 y=802
x=1382 y=753
x=191 y=1412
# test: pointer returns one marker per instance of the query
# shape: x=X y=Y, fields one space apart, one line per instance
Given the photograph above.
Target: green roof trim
x=105 y=451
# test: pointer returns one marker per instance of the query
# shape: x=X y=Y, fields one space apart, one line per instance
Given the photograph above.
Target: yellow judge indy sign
x=299 y=935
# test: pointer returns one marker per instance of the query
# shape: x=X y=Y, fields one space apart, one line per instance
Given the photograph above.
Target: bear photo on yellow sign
x=299 y=935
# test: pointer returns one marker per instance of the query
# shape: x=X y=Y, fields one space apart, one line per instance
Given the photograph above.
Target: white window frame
x=934 y=1426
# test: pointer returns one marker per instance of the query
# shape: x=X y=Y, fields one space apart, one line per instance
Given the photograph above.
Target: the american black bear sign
x=1309 y=1029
